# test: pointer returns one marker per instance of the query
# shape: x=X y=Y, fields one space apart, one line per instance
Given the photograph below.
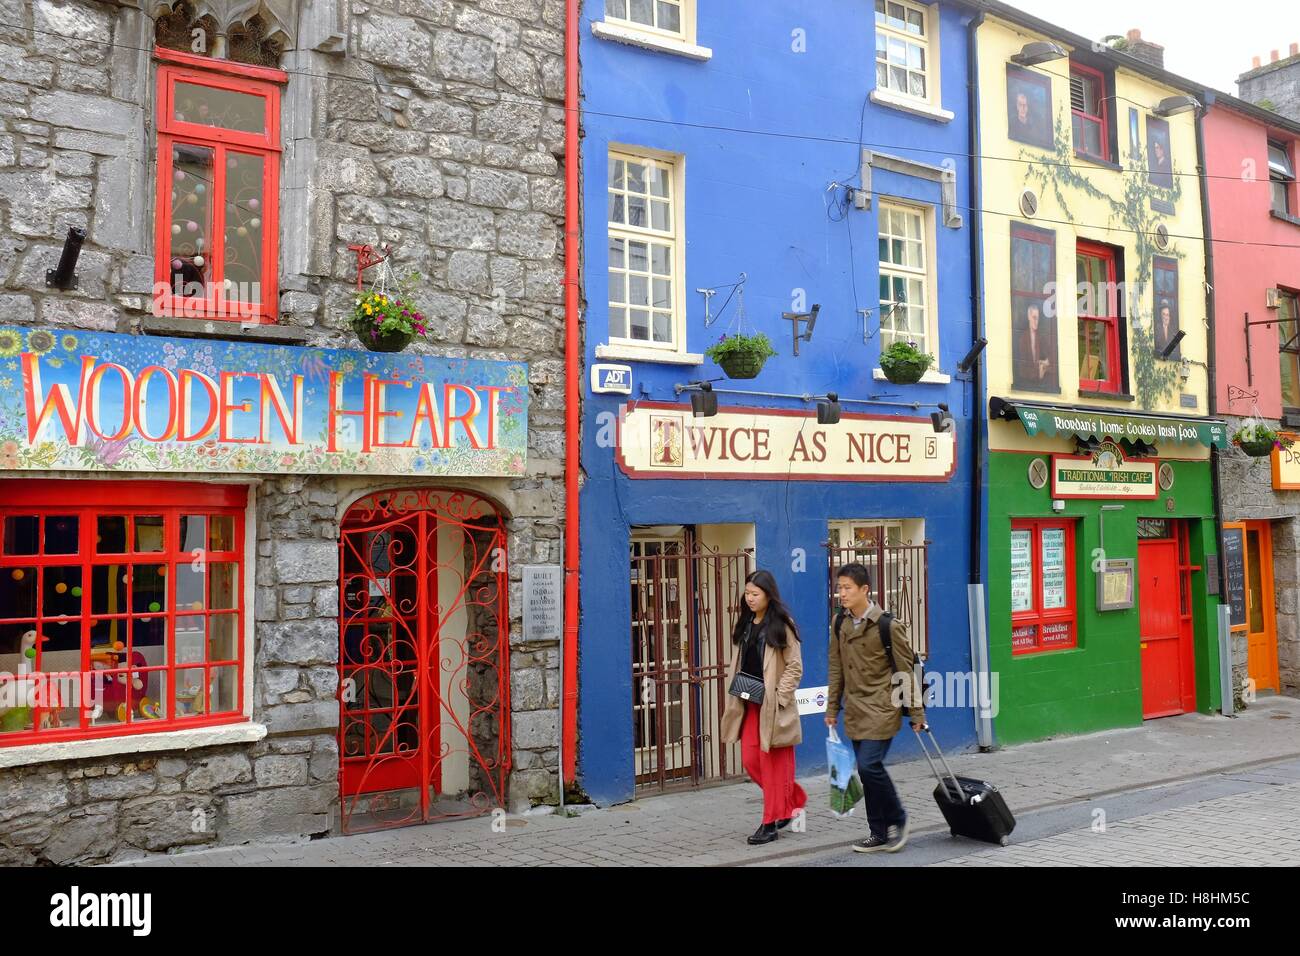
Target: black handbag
x=743 y=685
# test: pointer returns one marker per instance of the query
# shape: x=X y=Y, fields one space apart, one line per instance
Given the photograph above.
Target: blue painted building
x=789 y=161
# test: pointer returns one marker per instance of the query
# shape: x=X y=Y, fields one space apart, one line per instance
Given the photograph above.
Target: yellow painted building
x=1101 y=517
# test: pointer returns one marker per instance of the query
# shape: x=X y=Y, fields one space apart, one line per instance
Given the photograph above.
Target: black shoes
x=766 y=833
x=782 y=824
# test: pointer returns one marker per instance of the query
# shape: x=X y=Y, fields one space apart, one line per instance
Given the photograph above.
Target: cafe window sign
x=1043 y=606
x=108 y=402
x=1103 y=474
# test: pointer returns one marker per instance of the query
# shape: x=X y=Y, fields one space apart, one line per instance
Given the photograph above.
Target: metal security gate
x=685 y=601
x=424 y=672
x=900 y=573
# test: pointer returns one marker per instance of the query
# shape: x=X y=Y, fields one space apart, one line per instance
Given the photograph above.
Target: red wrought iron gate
x=424 y=671
x=685 y=601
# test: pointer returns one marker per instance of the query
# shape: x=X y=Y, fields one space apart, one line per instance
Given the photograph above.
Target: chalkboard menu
x=1234 y=557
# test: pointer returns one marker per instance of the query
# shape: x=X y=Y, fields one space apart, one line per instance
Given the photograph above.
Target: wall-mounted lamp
x=796 y=318
x=968 y=363
x=1172 y=345
x=1173 y=105
x=942 y=420
x=828 y=410
x=65 y=275
x=1039 y=51
x=704 y=402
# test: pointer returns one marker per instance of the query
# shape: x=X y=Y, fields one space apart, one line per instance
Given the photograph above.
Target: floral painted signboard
x=108 y=402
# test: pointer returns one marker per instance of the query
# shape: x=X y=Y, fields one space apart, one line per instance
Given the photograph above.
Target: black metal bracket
x=796 y=318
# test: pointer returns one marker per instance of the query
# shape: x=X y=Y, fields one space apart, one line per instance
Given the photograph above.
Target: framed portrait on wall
x=1160 y=160
x=1033 y=313
x=1029 y=107
x=1166 y=321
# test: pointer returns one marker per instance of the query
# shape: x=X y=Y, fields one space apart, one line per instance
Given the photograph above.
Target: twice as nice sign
x=101 y=401
x=660 y=440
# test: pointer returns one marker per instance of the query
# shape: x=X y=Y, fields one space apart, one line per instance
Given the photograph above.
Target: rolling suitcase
x=972 y=807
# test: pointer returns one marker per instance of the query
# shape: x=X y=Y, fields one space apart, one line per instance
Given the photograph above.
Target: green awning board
x=1048 y=420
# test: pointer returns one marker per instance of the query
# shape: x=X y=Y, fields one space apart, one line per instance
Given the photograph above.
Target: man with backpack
x=868 y=647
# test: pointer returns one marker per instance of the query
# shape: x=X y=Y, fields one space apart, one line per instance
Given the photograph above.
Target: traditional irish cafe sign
x=107 y=402
x=659 y=440
x=1104 y=474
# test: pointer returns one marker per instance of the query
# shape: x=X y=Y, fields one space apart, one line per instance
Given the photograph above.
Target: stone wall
x=431 y=125
x=1246 y=486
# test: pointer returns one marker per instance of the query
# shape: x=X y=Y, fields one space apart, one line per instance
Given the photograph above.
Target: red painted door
x=1158 y=593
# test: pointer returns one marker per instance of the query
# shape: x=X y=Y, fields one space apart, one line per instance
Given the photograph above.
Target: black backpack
x=884 y=624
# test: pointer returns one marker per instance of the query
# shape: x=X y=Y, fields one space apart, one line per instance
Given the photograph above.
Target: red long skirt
x=772 y=771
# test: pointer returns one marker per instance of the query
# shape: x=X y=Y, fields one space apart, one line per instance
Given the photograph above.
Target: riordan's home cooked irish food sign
x=107 y=402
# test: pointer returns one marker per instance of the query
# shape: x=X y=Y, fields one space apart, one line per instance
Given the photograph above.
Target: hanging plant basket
x=1257 y=449
x=904 y=364
x=1258 y=441
x=387 y=320
x=384 y=341
x=746 y=365
x=741 y=356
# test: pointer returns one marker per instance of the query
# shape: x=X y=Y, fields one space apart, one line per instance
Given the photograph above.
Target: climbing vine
x=1154 y=381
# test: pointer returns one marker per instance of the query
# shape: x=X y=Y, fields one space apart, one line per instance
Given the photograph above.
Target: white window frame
x=1281 y=173
x=930 y=104
x=649 y=36
x=926 y=274
x=674 y=238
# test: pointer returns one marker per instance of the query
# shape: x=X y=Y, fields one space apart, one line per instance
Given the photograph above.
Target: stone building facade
x=431 y=126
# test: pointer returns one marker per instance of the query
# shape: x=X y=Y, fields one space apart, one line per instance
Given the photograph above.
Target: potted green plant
x=741 y=356
x=1258 y=440
x=903 y=363
x=386 y=321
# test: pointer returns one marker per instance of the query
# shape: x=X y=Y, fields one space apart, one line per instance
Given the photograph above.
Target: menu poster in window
x=1024 y=638
x=1053 y=568
x=1235 y=559
x=1022 y=571
x=1059 y=634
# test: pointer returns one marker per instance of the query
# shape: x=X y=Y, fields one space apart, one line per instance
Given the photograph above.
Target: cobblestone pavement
x=1053 y=787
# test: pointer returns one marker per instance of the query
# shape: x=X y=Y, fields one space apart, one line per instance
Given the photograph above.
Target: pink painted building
x=1250 y=158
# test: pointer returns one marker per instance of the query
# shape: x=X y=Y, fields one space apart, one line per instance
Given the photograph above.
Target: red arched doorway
x=424 y=670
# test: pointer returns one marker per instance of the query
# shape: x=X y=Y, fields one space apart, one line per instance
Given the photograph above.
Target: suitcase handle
x=934 y=769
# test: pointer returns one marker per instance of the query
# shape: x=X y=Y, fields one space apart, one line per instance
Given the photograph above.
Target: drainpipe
x=975 y=590
x=573 y=398
x=1225 y=634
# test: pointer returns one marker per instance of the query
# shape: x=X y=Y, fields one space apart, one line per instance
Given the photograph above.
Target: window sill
x=930 y=377
x=649 y=41
x=909 y=105
x=221 y=329
x=636 y=353
x=1111 y=396
x=1098 y=161
x=1284 y=217
x=189 y=739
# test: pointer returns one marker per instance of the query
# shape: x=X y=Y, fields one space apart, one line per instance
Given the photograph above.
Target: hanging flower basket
x=741 y=356
x=1258 y=441
x=904 y=364
x=387 y=321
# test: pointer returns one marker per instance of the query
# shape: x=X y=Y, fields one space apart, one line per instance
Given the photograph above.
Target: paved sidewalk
x=708 y=827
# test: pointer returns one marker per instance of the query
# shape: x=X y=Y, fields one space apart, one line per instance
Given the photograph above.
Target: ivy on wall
x=1154 y=380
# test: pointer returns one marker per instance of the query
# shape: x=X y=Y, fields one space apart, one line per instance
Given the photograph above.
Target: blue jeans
x=884 y=809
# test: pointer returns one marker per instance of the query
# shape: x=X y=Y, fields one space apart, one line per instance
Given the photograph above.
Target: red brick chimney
x=1152 y=53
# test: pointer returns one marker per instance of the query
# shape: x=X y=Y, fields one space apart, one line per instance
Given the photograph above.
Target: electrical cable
x=496 y=96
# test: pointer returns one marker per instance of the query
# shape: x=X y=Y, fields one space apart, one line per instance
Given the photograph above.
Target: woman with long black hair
x=761 y=712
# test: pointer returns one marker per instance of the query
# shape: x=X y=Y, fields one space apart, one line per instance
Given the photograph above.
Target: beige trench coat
x=779 y=724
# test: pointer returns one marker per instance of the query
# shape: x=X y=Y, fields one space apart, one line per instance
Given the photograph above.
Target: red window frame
x=1109 y=321
x=239 y=78
x=1029 y=627
x=87 y=501
x=1101 y=118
